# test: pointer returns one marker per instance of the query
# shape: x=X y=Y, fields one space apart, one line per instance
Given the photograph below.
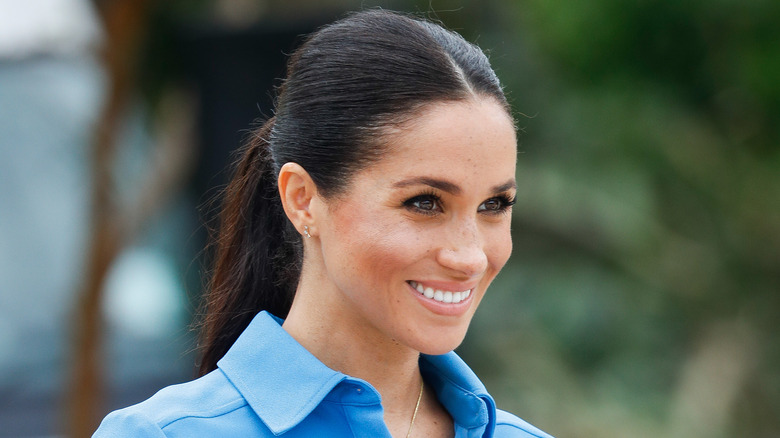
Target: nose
x=463 y=251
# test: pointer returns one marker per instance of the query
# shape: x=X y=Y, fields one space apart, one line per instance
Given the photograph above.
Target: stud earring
x=306 y=231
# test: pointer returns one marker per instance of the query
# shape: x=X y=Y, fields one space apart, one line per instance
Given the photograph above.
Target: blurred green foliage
x=642 y=297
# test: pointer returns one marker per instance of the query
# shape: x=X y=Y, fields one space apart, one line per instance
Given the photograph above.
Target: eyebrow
x=448 y=186
x=440 y=184
x=509 y=185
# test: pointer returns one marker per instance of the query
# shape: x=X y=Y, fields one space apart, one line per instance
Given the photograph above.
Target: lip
x=444 y=309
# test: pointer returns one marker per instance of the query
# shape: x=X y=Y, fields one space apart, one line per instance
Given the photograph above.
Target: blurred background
x=643 y=295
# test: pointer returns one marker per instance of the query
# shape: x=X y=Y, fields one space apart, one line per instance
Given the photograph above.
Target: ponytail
x=258 y=258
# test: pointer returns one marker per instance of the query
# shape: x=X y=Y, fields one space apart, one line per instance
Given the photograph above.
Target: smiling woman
x=362 y=228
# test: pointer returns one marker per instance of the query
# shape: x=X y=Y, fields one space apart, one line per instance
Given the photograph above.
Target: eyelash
x=505 y=201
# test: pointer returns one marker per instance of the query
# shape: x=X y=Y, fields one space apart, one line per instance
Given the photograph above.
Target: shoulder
x=510 y=426
x=209 y=397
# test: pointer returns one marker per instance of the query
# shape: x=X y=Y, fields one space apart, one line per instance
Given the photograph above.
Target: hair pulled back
x=346 y=86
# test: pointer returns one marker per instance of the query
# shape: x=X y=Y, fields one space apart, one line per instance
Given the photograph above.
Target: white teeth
x=442 y=296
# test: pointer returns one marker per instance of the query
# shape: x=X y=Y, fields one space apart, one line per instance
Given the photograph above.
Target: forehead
x=473 y=139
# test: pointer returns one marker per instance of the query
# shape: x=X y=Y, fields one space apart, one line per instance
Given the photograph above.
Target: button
x=359 y=390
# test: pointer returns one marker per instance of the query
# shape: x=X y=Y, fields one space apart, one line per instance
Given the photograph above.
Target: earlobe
x=296 y=190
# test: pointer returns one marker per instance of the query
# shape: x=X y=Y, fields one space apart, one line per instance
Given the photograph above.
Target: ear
x=297 y=189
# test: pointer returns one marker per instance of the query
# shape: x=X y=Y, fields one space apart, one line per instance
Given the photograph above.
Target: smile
x=442 y=296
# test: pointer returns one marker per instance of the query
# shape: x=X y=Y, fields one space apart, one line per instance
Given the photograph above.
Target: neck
x=325 y=324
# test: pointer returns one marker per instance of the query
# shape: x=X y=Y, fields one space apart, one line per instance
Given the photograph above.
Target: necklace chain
x=416 y=407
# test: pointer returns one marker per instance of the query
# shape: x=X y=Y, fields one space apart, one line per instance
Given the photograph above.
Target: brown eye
x=491 y=205
x=496 y=205
x=427 y=204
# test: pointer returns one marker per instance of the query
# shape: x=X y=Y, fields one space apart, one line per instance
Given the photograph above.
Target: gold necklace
x=416 y=407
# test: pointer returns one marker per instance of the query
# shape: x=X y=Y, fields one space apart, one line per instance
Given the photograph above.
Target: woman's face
x=417 y=237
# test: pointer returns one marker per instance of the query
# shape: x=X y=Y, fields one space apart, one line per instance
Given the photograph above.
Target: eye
x=497 y=204
x=426 y=204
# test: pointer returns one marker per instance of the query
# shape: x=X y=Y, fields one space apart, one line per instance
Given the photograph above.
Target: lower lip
x=445 y=309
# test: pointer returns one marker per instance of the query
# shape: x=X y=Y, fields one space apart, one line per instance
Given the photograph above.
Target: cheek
x=374 y=247
x=499 y=247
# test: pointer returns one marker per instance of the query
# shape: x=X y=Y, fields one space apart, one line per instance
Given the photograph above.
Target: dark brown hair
x=346 y=85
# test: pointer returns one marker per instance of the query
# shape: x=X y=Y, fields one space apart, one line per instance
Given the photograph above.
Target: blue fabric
x=269 y=385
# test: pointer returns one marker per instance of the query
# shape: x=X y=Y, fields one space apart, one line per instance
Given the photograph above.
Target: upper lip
x=450 y=286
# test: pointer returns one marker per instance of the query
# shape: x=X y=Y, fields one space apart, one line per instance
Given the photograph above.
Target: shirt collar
x=460 y=391
x=280 y=380
x=283 y=382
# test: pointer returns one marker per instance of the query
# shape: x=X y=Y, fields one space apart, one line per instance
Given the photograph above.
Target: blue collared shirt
x=269 y=385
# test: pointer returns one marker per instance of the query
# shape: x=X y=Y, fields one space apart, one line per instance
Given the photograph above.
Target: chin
x=435 y=347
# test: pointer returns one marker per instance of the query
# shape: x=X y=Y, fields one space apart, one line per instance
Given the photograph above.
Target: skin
x=423 y=213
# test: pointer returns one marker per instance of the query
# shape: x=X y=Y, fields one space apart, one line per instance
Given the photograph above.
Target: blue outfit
x=269 y=385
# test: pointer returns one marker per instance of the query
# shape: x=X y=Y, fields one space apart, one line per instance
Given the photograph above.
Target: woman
x=362 y=228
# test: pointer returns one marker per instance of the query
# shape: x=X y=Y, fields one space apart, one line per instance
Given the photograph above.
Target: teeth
x=442 y=296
